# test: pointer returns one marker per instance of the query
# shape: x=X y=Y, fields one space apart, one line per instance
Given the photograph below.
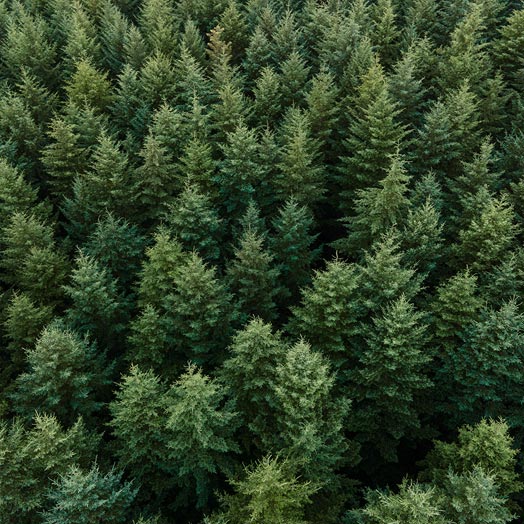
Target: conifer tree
x=301 y=175
x=292 y=247
x=155 y=179
x=32 y=458
x=201 y=428
x=384 y=34
x=195 y=222
x=267 y=106
x=377 y=209
x=163 y=258
x=270 y=492
x=329 y=312
x=310 y=419
x=390 y=373
x=374 y=136
x=118 y=246
x=486 y=369
x=138 y=415
x=149 y=341
x=95 y=304
x=65 y=375
x=89 y=86
x=239 y=172
x=488 y=236
x=199 y=312
x=157 y=25
x=24 y=321
x=90 y=496
x=250 y=372
x=114 y=27
x=252 y=279
x=294 y=74
x=63 y=158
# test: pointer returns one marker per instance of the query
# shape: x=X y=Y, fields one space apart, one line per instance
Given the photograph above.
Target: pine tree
x=250 y=372
x=488 y=236
x=164 y=257
x=270 y=492
x=196 y=224
x=63 y=158
x=384 y=34
x=301 y=175
x=118 y=246
x=95 y=304
x=114 y=27
x=377 y=209
x=90 y=496
x=24 y=321
x=149 y=341
x=138 y=415
x=487 y=445
x=267 y=105
x=486 y=369
x=27 y=46
x=239 y=172
x=389 y=375
x=292 y=246
x=157 y=24
x=294 y=74
x=374 y=136
x=310 y=420
x=507 y=51
x=155 y=182
x=199 y=312
x=65 y=375
x=89 y=86
x=200 y=427
x=16 y=194
x=329 y=312
x=32 y=458
x=252 y=279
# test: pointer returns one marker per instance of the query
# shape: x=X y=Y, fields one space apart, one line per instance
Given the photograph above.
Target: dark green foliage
x=200 y=428
x=88 y=497
x=32 y=458
x=252 y=279
x=267 y=250
x=65 y=374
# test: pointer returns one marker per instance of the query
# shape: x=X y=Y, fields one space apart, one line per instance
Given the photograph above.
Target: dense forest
x=261 y=261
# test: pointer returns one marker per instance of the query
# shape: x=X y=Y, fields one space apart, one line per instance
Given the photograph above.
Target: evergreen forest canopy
x=261 y=261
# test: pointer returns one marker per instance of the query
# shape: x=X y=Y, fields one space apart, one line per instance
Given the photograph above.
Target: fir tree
x=91 y=496
x=65 y=375
x=201 y=429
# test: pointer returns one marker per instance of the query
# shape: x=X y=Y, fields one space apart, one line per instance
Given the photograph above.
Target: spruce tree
x=252 y=279
x=200 y=428
x=90 y=496
x=250 y=372
x=390 y=374
x=195 y=222
x=66 y=375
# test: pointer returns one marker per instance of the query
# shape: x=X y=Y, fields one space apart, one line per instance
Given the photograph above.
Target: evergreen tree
x=329 y=313
x=269 y=493
x=118 y=246
x=32 y=458
x=250 y=372
x=196 y=224
x=301 y=176
x=65 y=376
x=90 y=496
x=138 y=415
x=201 y=429
x=252 y=279
x=388 y=377
x=292 y=247
x=95 y=303
x=199 y=312
x=374 y=136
